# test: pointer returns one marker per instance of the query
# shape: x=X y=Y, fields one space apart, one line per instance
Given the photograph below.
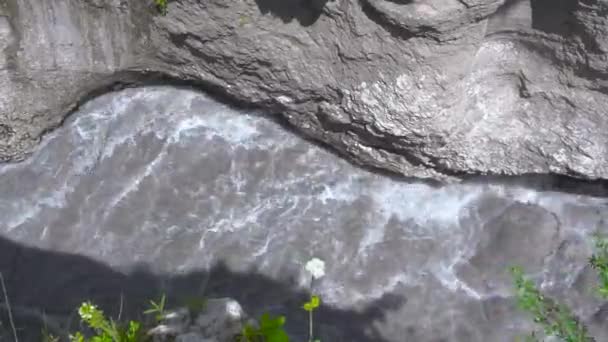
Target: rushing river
x=170 y=181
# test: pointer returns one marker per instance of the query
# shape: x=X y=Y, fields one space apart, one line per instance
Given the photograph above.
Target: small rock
x=174 y=324
x=222 y=319
x=163 y=333
x=178 y=318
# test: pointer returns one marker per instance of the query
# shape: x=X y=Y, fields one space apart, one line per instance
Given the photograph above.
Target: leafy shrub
x=161 y=6
x=599 y=261
x=106 y=330
x=557 y=319
x=270 y=330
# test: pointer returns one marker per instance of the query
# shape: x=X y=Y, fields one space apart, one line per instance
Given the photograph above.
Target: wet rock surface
x=165 y=190
x=430 y=88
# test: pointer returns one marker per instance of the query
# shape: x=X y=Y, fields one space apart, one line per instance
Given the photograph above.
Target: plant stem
x=8 y=308
x=310 y=330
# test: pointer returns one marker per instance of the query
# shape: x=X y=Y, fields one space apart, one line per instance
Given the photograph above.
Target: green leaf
x=314 y=303
x=269 y=323
x=277 y=335
x=158 y=309
x=133 y=331
x=270 y=330
x=102 y=338
x=248 y=333
x=77 y=337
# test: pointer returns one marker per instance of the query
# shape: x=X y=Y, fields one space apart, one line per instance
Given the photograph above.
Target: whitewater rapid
x=172 y=179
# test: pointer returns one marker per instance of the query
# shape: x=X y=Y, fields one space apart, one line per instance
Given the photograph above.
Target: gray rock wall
x=54 y=53
x=427 y=88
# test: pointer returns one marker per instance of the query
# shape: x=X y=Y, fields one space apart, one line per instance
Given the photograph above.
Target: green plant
x=316 y=268
x=270 y=330
x=8 y=307
x=161 y=5
x=310 y=306
x=599 y=262
x=105 y=329
x=556 y=319
x=157 y=309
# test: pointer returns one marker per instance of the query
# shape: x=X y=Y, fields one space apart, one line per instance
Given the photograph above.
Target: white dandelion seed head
x=316 y=267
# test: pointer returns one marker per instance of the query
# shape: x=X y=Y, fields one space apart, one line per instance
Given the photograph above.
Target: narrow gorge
x=419 y=148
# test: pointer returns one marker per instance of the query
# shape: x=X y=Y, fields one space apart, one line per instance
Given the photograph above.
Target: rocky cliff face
x=425 y=88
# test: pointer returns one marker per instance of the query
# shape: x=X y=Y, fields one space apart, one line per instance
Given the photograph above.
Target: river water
x=169 y=181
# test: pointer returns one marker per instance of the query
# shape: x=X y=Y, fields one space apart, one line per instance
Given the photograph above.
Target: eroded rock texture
x=142 y=190
x=427 y=88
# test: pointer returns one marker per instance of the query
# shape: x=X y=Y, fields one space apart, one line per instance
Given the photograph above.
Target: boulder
x=221 y=320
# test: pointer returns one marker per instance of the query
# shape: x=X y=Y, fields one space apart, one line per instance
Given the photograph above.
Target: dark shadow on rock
x=511 y=17
x=56 y=283
x=554 y=16
x=401 y=2
x=307 y=12
x=398 y=29
x=546 y=182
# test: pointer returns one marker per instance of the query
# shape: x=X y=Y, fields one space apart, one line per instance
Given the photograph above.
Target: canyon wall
x=436 y=89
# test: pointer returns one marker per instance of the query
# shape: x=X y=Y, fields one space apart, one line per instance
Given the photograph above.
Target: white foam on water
x=26 y=211
x=134 y=183
x=234 y=129
x=446 y=275
x=422 y=202
x=345 y=190
x=188 y=127
x=124 y=118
